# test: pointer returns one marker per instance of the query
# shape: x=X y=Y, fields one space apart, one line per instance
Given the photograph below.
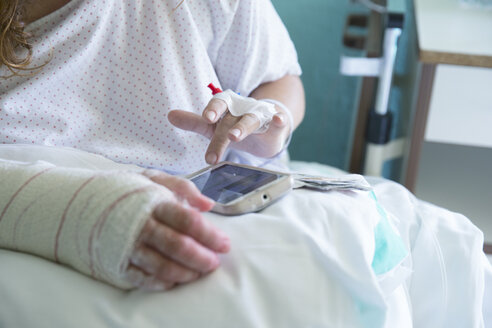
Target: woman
x=123 y=79
x=108 y=77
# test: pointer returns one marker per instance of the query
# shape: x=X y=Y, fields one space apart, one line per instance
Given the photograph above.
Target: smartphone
x=238 y=189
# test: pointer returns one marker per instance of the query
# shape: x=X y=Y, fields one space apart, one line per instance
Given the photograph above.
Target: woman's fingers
x=223 y=129
x=268 y=144
x=244 y=127
x=279 y=121
x=160 y=267
x=180 y=247
x=220 y=140
x=214 y=110
x=190 y=222
x=138 y=278
x=175 y=246
x=191 y=122
x=182 y=188
x=204 y=124
x=230 y=128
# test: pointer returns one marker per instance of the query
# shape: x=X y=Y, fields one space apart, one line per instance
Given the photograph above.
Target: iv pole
x=379 y=147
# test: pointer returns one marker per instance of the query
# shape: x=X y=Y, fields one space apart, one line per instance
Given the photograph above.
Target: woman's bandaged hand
x=261 y=131
x=239 y=106
x=121 y=227
x=176 y=245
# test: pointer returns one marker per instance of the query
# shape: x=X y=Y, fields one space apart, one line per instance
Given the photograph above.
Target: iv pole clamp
x=379 y=147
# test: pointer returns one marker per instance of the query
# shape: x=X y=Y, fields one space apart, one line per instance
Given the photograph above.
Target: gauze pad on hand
x=239 y=106
x=86 y=219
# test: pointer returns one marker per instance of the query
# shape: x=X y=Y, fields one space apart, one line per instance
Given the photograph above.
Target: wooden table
x=451 y=37
x=448 y=34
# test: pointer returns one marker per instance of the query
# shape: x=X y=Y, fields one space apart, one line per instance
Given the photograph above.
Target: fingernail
x=155 y=286
x=211 y=116
x=207 y=199
x=137 y=257
x=213 y=265
x=236 y=133
x=226 y=245
x=211 y=158
x=187 y=277
x=135 y=277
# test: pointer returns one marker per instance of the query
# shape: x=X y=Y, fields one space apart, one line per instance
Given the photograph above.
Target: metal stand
x=379 y=147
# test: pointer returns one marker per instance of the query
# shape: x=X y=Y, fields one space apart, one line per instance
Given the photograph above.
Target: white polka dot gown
x=116 y=68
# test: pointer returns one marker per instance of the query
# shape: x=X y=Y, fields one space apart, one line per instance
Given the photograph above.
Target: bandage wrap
x=88 y=220
x=239 y=106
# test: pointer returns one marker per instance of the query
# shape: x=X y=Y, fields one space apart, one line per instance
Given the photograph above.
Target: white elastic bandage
x=239 y=106
x=86 y=219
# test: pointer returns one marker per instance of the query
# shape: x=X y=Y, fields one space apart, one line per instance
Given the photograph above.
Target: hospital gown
x=116 y=68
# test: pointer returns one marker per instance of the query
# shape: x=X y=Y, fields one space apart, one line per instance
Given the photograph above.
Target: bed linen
x=306 y=261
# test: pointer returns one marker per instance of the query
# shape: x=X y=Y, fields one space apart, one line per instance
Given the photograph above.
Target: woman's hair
x=179 y=5
x=13 y=38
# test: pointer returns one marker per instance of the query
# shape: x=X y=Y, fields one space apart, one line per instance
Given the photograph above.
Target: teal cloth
x=390 y=249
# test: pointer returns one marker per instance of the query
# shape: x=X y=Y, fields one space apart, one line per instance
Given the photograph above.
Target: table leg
x=419 y=123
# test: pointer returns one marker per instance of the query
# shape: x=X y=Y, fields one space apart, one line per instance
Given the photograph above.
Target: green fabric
x=390 y=249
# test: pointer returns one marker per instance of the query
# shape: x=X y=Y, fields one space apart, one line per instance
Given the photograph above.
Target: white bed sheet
x=303 y=262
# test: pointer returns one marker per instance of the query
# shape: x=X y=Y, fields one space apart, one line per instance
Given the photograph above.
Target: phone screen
x=227 y=183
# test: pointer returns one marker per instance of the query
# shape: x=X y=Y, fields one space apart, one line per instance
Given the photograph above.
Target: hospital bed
x=313 y=259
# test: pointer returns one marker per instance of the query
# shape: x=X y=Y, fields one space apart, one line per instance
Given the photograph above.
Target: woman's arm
x=122 y=227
